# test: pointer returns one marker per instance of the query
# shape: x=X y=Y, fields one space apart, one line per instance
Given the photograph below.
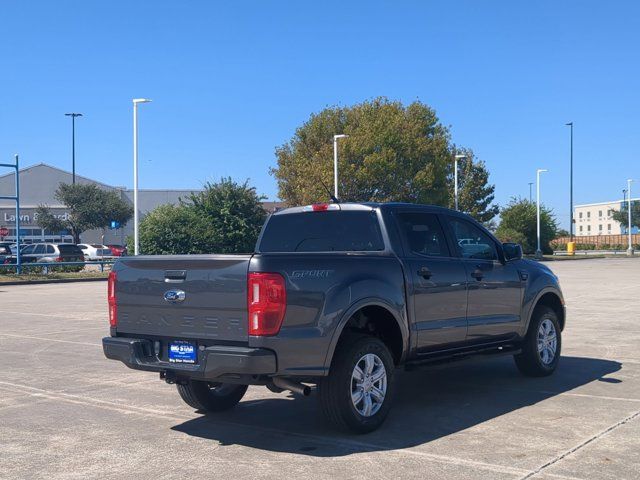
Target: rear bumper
x=213 y=362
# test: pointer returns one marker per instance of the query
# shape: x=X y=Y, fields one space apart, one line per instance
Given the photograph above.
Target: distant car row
x=59 y=252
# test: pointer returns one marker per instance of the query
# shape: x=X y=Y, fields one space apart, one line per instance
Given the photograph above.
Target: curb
x=59 y=280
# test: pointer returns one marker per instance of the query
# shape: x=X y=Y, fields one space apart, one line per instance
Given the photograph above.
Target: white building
x=597 y=219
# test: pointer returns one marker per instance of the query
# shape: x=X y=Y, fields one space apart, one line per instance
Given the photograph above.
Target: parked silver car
x=96 y=251
x=51 y=252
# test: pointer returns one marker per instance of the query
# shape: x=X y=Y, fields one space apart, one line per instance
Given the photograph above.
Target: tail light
x=58 y=259
x=111 y=299
x=321 y=207
x=266 y=303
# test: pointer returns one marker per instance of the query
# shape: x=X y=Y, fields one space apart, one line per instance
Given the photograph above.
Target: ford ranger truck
x=336 y=296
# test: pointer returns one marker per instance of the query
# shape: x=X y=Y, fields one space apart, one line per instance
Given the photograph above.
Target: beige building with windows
x=596 y=219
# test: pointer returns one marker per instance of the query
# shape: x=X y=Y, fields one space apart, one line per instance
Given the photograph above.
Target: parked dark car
x=48 y=253
x=5 y=251
x=336 y=295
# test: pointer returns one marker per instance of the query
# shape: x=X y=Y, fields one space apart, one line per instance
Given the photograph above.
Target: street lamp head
x=542 y=170
x=72 y=114
x=458 y=157
x=342 y=135
x=141 y=100
x=570 y=124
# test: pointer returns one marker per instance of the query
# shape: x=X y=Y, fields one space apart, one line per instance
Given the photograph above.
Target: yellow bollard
x=571 y=248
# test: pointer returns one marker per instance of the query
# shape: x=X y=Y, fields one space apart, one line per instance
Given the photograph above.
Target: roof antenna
x=331 y=196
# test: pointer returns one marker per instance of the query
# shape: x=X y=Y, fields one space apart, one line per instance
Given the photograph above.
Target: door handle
x=477 y=274
x=425 y=273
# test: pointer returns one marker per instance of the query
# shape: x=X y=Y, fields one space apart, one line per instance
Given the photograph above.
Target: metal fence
x=49 y=267
x=599 y=240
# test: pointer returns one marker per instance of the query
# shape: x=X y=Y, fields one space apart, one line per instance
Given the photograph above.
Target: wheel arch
x=552 y=299
x=395 y=332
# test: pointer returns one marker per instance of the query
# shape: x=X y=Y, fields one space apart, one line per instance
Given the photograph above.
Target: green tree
x=475 y=193
x=622 y=215
x=226 y=217
x=172 y=229
x=88 y=207
x=394 y=153
x=518 y=224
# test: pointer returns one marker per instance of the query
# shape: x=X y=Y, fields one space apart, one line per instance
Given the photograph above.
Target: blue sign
x=115 y=224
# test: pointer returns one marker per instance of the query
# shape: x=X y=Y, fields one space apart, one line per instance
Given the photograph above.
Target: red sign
x=4 y=231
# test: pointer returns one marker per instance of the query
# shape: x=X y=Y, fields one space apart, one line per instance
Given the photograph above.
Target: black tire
x=335 y=390
x=211 y=397
x=531 y=362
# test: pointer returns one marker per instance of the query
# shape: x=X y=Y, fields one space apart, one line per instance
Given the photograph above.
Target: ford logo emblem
x=174 y=296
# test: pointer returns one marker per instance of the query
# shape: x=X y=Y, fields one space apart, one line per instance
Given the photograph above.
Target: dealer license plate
x=182 y=352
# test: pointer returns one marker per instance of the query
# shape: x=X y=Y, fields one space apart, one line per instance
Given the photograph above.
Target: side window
x=39 y=249
x=28 y=249
x=472 y=242
x=423 y=234
x=51 y=249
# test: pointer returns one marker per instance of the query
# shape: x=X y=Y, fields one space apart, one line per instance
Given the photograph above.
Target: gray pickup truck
x=338 y=296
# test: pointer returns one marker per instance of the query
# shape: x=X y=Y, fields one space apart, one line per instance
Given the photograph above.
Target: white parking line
x=29 y=337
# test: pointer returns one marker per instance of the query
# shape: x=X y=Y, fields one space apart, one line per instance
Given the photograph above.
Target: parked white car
x=95 y=251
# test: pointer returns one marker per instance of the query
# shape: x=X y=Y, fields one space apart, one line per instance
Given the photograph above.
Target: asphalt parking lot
x=67 y=412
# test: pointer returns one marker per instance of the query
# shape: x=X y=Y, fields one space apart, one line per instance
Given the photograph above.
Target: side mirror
x=512 y=251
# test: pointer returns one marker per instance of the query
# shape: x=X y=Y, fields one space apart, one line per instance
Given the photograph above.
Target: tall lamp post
x=73 y=144
x=539 y=171
x=335 y=163
x=136 y=101
x=630 y=248
x=570 y=124
x=455 y=178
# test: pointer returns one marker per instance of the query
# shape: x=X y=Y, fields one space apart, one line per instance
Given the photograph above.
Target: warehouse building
x=38 y=185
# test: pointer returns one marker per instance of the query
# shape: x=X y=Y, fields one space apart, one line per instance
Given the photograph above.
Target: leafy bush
x=226 y=217
x=518 y=221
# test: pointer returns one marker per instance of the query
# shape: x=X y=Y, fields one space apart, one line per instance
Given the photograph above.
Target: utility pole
x=73 y=144
x=630 y=249
x=335 y=163
x=136 y=101
x=570 y=124
x=455 y=178
x=538 y=250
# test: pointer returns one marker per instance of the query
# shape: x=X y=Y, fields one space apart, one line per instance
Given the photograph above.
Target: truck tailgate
x=215 y=296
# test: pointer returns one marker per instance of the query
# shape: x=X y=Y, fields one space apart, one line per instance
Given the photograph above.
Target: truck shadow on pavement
x=430 y=404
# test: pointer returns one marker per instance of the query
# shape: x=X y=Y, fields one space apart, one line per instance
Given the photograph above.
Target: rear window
x=69 y=250
x=331 y=231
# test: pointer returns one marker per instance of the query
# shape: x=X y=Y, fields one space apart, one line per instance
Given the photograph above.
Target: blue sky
x=232 y=80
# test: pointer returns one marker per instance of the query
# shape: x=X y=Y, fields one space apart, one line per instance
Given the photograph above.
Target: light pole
x=539 y=171
x=73 y=144
x=530 y=196
x=630 y=248
x=335 y=163
x=136 y=101
x=455 y=178
x=570 y=124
